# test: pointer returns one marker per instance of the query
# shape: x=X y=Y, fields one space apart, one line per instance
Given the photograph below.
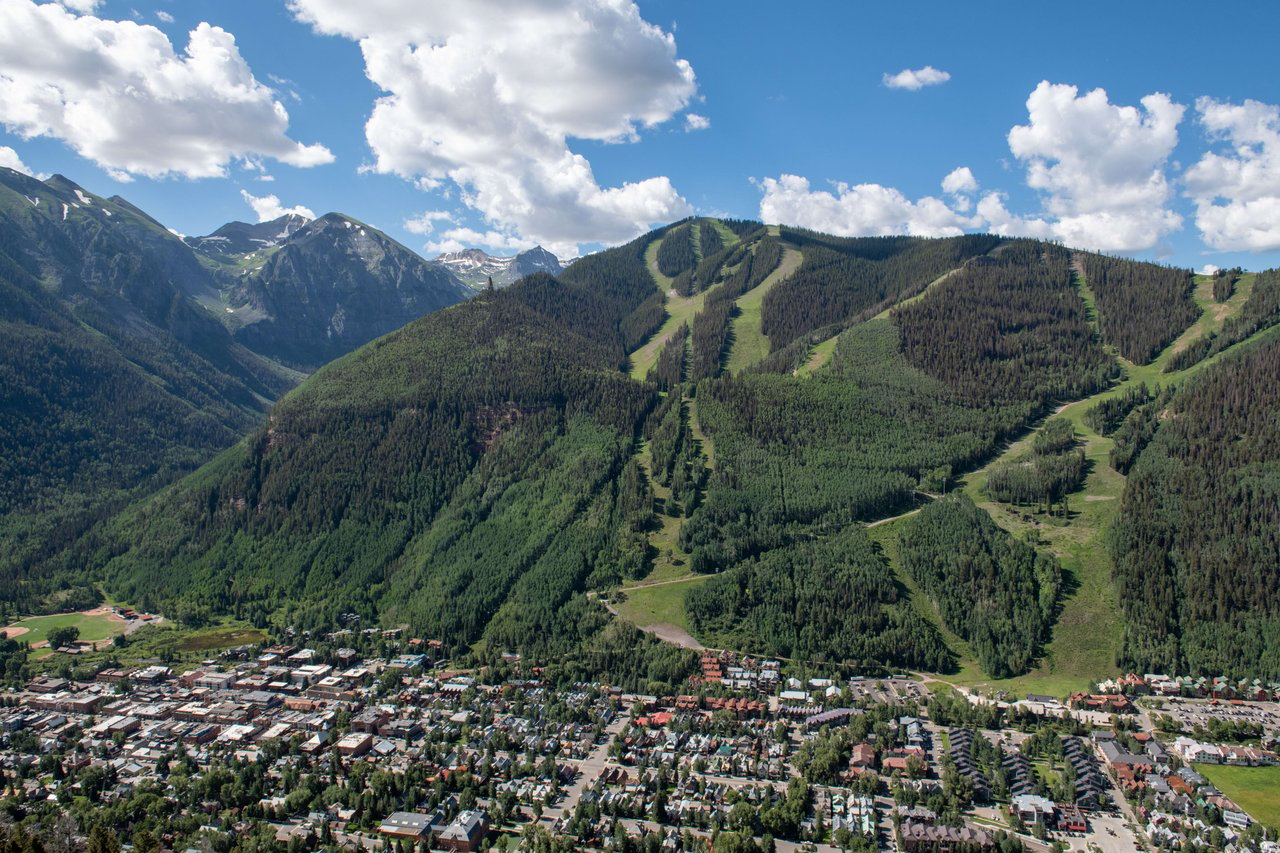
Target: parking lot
x=1190 y=713
x=887 y=690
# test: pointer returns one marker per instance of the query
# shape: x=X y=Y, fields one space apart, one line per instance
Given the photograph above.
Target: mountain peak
x=243 y=238
x=476 y=266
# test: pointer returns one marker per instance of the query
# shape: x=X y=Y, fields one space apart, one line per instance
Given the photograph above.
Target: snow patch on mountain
x=476 y=266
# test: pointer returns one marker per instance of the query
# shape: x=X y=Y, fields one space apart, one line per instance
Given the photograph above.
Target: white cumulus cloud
x=485 y=94
x=425 y=222
x=959 y=180
x=913 y=79
x=120 y=95
x=1100 y=167
x=693 y=121
x=268 y=207
x=864 y=210
x=10 y=160
x=164 y=16
x=457 y=239
x=1237 y=192
x=999 y=220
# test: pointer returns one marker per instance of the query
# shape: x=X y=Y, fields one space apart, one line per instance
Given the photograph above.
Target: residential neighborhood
x=363 y=741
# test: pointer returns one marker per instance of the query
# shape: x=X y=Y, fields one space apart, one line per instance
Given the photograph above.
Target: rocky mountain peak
x=476 y=266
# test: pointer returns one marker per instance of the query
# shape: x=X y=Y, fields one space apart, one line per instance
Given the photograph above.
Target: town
x=366 y=740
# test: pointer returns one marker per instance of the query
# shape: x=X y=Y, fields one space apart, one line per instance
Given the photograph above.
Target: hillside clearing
x=749 y=343
x=819 y=357
x=657 y=604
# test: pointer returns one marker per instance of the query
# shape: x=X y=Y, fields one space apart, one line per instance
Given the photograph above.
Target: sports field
x=95 y=625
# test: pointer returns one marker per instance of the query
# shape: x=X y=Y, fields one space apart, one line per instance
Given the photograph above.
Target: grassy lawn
x=92 y=628
x=1254 y=789
x=670 y=563
x=651 y=261
x=749 y=343
x=729 y=238
x=1045 y=771
x=179 y=647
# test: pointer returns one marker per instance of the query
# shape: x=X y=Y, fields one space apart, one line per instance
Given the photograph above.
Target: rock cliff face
x=131 y=355
x=329 y=287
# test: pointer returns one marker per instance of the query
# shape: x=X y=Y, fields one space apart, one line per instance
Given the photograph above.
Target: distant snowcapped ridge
x=476 y=266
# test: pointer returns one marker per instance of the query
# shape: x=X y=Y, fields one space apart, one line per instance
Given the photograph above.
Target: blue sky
x=578 y=123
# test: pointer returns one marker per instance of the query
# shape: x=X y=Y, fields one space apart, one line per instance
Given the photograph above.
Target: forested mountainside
x=996 y=592
x=1197 y=541
x=906 y=401
x=471 y=473
x=483 y=473
x=124 y=363
x=845 y=279
x=1125 y=291
x=111 y=378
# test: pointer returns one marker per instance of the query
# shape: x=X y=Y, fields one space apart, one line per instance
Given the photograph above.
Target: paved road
x=590 y=769
x=1136 y=834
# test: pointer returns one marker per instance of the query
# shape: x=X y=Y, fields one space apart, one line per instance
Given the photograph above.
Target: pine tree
x=102 y=840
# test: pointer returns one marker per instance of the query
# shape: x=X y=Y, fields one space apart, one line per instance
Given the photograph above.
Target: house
x=215 y=680
x=1106 y=703
x=49 y=685
x=834 y=717
x=1117 y=756
x=1194 y=752
x=1132 y=684
x=863 y=757
x=371 y=720
x=895 y=763
x=114 y=676
x=466 y=833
